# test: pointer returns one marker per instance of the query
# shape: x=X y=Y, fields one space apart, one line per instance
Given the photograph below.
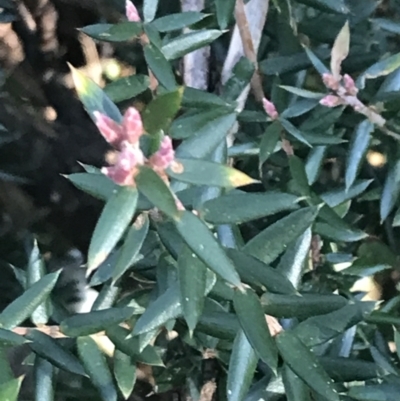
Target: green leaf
x=83 y=324
x=206 y=247
x=303 y=92
x=124 y=372
x=9 y=391
x=219 y=324
x=202 y=172
x=114 y=219
x=121 y=32
x=93 y=97
x=204 y=142
x=160 y=111
x=242 y=365
x=23 y=307
x=225 y=10
x=295 y=388
x=391 y=190
x=151 y=185
x=192 y=282
x=320 y=329
x=166 y=307
x=305 y=365
x=293 y=131
x=228 y=209
x=131 y=346
x=272 y=241
x=379 y=69
x=358 y=149
x=159 y=66
x=97 y=368
x=150 y=9
x=174 y=22
x=44 y=376
x=292 y=262
x=300 y=306
x=10 y=338
x=298 y=172
x=188 y=42
x=314 y=163
x=127 y=87
x=339 y=233
x=375 y=392
x=198 y=123
x=35 y=271
x=132 y=244
x=335 y=6
x=256 y=273
x=97 y=185
x=316 y=62
x=49 y=348
x=200 y=99
x=269 y=141
x=253 y=322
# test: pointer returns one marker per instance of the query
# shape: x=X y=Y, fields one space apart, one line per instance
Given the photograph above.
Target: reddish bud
x=111 y=131
x=132 y=125
x=164 y=156
x=270 y=109
x=350 y=85
x=331 y=101
x=131 y=12
x=330 y=81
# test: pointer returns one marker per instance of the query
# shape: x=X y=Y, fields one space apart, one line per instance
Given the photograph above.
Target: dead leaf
x=340 y=49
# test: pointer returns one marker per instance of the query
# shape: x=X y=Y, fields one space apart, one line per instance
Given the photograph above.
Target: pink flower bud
x=350 y=85
x=132 y=125
x=164 y=156
x=111 y=131
x=270 y=109
x=330 y=81
x=132 y=12
x=331 y=101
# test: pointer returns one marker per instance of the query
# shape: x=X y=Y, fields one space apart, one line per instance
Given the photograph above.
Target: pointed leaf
x=391 y=190
x=219 y=324
x=293 y=131
x=159 y=66
x=97 y=368
x=121 y=32
x=93 y=97
x=314 y=163
x=49 y=348
x=178 y=21
x=300 y=306
x=358 y=149
x=242 y=365
x=340 y=49
x=228 y=209
x=23 y=307
x=255 y=273
x=149 y=9
x=305 y=365
x=124 y=372
x=225 y=10
x=192 y=282
x=269 y=141
x=295 y=388
x=114 y=219
x=130 y=250
x=292 y=261
x=83 y=324
x=156 y=191
x=253 y=322
x=271 y=242
x=335 y=6
x=188 y=42
x=202 y=172
x=9 y=390
x=316 y=62
x=206 y=247
x=127 y=87
x=160 y=111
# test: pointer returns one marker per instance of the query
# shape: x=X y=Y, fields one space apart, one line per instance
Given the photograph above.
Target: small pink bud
x=132 y=125
x=132 y=12
x=111 y=130
x=331 y=101
x=164 y=156
x=350 y=85
x=330 y=81
x=270 y=109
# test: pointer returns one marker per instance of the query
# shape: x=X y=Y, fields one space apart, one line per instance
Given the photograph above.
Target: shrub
x=236 y=226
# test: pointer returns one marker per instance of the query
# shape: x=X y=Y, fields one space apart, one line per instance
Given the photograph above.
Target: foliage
x=241 y=258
